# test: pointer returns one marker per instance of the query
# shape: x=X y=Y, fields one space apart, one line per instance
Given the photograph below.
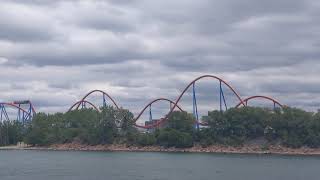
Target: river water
x=54 y=165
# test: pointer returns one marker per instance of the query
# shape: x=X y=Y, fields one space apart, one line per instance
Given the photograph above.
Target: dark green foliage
x=10 y=132
x=179 y=131
x=313 y=132
x=110 y=125
x=236 y=125
x=181 y=121
x=174 y=138
x=289 y=126
x=85 y=126
x=146 y=139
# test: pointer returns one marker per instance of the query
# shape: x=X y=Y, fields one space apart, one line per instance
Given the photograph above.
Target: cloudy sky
x=53 y=52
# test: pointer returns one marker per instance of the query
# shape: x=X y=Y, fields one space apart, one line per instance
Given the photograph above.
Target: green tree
x=37 y=132
x=181 y=121
x=291 y=126
x=173 y=138
x=146 y=139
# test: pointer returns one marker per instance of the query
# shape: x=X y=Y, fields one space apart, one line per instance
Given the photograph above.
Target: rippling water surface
x=51 y=165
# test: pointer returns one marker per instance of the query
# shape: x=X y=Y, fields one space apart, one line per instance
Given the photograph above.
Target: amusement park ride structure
x=174 y=105
x=25 y=110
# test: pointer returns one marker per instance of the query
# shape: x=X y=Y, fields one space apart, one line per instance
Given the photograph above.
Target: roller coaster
x=23 y=111
x=174 y=105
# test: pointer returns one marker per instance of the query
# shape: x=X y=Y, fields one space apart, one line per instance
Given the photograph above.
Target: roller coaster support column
x=1 y=113
x=150 y=113
x=25 y=118
x=104 y=101
x=31 y=111
x=19 y=112
x=222 y=98
x=195 y=106
x=28 y=116
x=83 y=105
x=4 y=113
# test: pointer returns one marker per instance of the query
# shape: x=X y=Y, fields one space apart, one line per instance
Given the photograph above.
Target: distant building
x=152 y=122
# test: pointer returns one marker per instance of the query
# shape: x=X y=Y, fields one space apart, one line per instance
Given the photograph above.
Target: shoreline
x=215 y=149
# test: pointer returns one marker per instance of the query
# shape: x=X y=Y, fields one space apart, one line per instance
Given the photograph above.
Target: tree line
x=290 y=127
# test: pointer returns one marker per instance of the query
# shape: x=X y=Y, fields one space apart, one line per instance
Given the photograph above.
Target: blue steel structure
x=104 y=99
x=195 y=106
x=150 y=113
x=25 y=111
x=222 y=98
x=83 y=105
x=4 y=114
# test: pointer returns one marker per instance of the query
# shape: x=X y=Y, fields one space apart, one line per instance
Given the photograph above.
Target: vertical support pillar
x=195 y=106
x=1 y=107
x=30 y=113
x=5 y=114
x=104 y=100
x=150 y=116
x=150 y=113
x=18 y=117
x=222 y=98
x=83 y=105
x=23 y=117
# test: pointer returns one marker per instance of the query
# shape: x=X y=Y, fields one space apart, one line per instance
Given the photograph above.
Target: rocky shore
x=246 y=149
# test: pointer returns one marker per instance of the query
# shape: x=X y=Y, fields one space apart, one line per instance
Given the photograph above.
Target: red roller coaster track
x=103 y=93
x=14 y=106
x=83 y=101
x=260 y=97
x=25 y=102
x=143 y=110
x=25 y=114
x=174 y=103
x=185 y=90
x=149 y=104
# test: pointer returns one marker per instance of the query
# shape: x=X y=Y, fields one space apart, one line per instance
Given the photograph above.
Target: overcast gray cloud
x=53 y=52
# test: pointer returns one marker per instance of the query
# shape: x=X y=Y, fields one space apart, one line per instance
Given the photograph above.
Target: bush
x=293 y=127
x=173 y=138
x=85 y=126
x=146 y=139
x=236 y=125
x=181 y=121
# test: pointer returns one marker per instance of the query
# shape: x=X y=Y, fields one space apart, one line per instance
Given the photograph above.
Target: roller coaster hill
x=146 y=115
x=24 y=111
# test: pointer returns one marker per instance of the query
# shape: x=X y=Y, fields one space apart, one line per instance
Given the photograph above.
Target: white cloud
x=3 y=60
